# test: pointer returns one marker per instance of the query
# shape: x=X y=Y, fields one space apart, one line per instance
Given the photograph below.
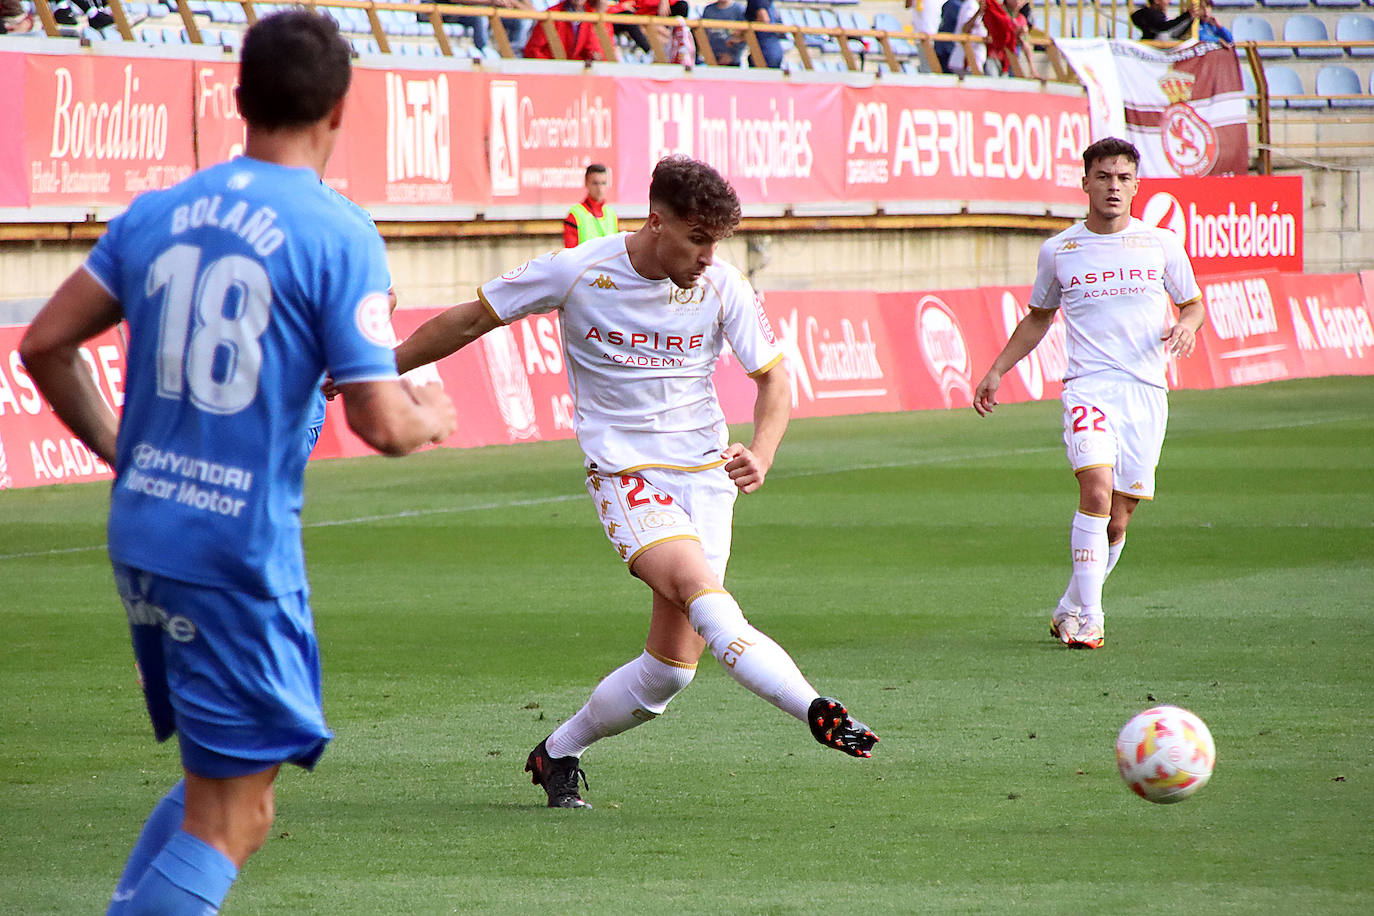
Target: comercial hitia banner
x=847 y=352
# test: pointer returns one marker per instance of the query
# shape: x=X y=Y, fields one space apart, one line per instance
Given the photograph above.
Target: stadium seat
x=1305 y=27
x=1253 y=28
x=888 y=23
x=1335 y=79
x=1247 y=83
x=1356 y=27
x=1337 y=3
x=1284 y=83
x=1286 y=3
x=1233 y=4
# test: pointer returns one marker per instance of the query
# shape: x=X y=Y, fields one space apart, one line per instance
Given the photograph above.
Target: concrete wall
x=1338 y=238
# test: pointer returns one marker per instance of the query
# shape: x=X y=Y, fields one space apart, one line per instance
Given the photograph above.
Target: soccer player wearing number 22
x=645 y=316
x=241 y=286
x=1115 y=279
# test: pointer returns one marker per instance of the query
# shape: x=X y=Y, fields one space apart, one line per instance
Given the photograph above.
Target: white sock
x=749 y=655
x=1088 y=540
x=636 y=692
x=1070 y=602
x=1114 y=554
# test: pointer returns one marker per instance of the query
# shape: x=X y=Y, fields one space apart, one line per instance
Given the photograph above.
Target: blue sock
x=188 y=878
x=157 y=830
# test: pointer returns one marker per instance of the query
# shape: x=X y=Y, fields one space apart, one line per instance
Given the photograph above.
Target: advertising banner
x=963 y=145
x=99 y=130
x=35 y=448
x=542 y=133
x=411 y=139
x=847 y=352
x=838 y=352
x=14 y=172
x=1332 y=323
x=777 y=143
x=1245 y=222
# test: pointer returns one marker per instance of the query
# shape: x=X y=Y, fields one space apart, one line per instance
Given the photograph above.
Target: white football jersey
x=1116 y=291
x=640 y=353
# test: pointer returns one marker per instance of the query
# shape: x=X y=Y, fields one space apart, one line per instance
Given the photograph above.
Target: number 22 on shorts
x=1082 y=422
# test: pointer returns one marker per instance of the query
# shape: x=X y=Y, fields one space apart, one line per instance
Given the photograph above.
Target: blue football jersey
x=241 y=286
x=318 y=408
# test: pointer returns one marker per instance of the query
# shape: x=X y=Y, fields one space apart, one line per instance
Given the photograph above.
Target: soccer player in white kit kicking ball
x=645 y=316
x=1115 y=279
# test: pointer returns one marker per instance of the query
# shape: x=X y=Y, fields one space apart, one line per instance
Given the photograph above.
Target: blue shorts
x=235 y=676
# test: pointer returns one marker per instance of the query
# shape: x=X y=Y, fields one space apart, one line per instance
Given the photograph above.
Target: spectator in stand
x=925 y=16
x=1155 y=25
x=1007 y=35
x=726 y=44
x=97 y=12
x=593 y=218
x=516 y=29
x=579 y=39
x=1208 y=29
x=949 y=24
x=641 y=8
x=14 y=19
x=969 y=57
x=770 y=43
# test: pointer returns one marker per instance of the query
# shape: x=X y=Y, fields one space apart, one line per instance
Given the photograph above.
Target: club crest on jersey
x=603 y=282
x=373 y=318
x=692 y=296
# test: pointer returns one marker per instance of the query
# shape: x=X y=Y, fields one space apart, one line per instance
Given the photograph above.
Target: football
x=1165 y=754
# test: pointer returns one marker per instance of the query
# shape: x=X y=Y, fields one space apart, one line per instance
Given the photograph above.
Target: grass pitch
x=466 y=603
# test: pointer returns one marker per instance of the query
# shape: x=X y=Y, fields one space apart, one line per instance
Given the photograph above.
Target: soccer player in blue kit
x=241 y=286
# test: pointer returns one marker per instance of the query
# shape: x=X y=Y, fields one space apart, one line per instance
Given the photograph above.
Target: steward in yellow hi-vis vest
x=593 y=217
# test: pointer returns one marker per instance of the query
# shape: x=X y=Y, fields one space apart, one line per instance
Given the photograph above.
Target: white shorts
x=1117 y=424
x=654 y=505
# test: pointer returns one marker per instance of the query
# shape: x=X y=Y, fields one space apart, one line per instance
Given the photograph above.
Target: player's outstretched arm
x=748 y=466
x=1182 y=337
x=80 y=309
x=445 y=333
x=1028 y=334
x=395 y=417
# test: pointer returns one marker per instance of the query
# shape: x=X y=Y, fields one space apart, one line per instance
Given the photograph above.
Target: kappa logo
x=605 y=505
x=1068 y=246
x=610 y=528
x=603 y=282
x=1137 y=485
x=623 y=549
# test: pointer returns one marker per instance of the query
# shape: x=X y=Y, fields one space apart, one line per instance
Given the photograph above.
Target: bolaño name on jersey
x=257 y=228
x=646 y=342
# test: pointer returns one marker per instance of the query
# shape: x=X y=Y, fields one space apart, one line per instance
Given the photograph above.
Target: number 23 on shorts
x=635 y=486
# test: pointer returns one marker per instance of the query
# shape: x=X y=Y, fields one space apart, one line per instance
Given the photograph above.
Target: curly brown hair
x=696 y=192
